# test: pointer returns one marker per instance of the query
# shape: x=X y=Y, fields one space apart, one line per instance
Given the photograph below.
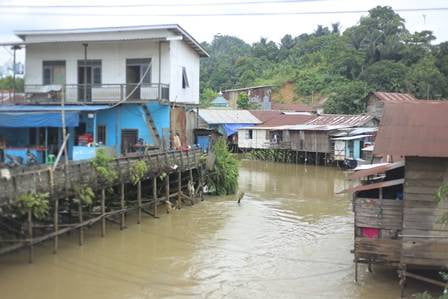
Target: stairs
x=151 y=125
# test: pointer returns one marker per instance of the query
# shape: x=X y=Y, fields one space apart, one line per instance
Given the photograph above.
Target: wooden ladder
x=151 y=125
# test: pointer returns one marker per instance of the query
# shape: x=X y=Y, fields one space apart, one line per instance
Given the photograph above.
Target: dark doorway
x=128 y=140
x=135 y=70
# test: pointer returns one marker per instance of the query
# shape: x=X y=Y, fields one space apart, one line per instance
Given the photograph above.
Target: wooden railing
x=61 y=180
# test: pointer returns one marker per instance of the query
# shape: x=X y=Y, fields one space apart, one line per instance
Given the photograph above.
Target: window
x=101 y=134
x=91 y=69
x=249 y=134
x=53 y=72
x=185 y=83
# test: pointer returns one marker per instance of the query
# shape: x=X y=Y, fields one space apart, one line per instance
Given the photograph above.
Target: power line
x=154 y=4
x=219 y=14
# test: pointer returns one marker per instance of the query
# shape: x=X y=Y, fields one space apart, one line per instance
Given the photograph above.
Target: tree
x=207 y=95
x=244 y=102
x=425 y=80
x=347 y=98
x=386 y=75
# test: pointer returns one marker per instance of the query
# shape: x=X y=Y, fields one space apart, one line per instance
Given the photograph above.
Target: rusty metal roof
x=283 y=120
x=292 y=107
x=394 y=97
x=341 y=120
x=414 y=129
x=383 y=184
x=381 y=168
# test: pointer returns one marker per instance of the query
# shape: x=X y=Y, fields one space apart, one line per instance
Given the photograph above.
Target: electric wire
x=219 y=14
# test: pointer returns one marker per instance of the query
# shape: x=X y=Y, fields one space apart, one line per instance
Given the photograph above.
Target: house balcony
x=94 y=93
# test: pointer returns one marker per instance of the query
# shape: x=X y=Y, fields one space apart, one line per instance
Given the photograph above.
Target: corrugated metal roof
x=376 y=169
x=341 y=120
x=292 y=107
x=351 y=137
x=265 y=115
x=56 y=108
x=394 y=97
x=414 y=129
x=283 y=120
x=216 y=116
x=373 y=186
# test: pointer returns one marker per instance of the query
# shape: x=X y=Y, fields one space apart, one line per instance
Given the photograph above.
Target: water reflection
x=290 y=238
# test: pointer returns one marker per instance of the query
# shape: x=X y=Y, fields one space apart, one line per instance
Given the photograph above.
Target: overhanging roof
x=174 y=28
x=54 y=108
x=377 y=169
x=351 y=137
x=373 y=186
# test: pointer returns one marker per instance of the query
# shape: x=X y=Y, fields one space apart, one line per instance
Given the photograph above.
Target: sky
x=247 y=27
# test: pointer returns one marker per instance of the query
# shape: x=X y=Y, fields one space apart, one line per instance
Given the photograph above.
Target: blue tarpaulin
x=230 y=129
x=37 y=119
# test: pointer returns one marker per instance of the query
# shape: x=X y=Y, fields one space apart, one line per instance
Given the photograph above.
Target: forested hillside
x=379 y=53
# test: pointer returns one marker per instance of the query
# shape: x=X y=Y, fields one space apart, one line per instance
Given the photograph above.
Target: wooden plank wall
x=425 y=239
x=386 y=216
x=313 y=141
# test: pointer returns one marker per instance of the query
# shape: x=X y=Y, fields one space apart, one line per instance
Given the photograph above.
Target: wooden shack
x=376 y=100
x=403 y=223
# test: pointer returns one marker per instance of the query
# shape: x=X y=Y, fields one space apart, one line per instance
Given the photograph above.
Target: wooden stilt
x=103 y=212
x=30 y=236
x=369 y=267
x=123 y=213
x=139 y=202
x=167 y=187
x=402 y=275
x=81 y=228
x=154 y=195
x=356 y=270
x=56 y=225
x=179 y=190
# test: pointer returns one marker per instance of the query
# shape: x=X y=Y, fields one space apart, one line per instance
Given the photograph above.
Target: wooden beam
x=103 y=212
x=122 y=201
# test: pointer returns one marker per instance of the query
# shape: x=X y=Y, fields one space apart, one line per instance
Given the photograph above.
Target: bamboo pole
x=154 y=195
x=30 y=236
x=103 y=212
x=167 y=187
x=139 y=202
x=122 y=222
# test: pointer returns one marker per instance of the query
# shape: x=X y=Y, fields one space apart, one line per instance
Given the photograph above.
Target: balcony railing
x=94 y=93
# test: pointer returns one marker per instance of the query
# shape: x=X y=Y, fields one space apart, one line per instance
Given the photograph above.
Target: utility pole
x=14 y=48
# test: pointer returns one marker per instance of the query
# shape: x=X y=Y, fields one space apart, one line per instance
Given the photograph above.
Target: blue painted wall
x=356 y=149
x=131 y=116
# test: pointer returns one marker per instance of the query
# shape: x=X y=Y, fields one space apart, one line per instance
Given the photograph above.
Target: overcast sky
x=203 y=28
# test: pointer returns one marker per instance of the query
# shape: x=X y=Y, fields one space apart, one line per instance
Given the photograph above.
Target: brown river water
x=290 y=237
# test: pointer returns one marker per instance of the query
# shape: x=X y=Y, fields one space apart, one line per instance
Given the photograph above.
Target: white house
x=107 y=64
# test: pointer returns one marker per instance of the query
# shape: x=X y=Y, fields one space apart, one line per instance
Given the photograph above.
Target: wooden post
x=103 y=212
x=122 y=222
x=81 y=228
x=139 y=202
x=356 y=270
x=30 y=236
x=179 y=189
x=154 y=195
x=56 y=225
x=167 y=187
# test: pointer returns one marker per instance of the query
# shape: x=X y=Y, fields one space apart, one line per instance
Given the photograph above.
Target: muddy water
x=289 y=238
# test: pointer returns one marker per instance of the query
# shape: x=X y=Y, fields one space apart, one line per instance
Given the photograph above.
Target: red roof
x=373 y=186
x=284 y=120
x=340 y=120
x=292 y=107
x=414 y=129
x=394 y=97
x=265 y=115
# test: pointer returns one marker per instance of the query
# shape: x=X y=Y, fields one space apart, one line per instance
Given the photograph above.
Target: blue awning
x=37 y=119
x=230 y=129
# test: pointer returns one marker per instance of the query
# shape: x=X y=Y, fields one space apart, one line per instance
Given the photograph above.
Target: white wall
x=113 y=57
x=258 y=139
x=184 y=56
